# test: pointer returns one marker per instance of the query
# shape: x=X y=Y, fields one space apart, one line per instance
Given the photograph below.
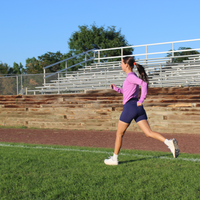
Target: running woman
x=133 y=109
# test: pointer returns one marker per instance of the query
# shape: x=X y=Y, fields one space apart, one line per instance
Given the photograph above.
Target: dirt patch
x=188 y=143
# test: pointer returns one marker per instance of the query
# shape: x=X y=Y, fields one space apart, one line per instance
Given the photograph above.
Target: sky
x=31 y=28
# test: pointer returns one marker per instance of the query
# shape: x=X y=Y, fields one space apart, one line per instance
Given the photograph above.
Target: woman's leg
x=172 y=144
x=121 y=129
x=144 y=126
x=113 y=160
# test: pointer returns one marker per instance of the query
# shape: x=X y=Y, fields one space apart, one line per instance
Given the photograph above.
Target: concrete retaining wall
x=170 y=110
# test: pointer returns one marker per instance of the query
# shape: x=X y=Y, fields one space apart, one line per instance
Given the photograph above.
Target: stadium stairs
x=169 y=110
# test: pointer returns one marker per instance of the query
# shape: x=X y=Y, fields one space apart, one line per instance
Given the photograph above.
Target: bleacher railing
x=145 y=55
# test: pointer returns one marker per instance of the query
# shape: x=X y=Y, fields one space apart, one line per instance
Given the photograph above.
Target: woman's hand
x=139 y=104
x=112 y=86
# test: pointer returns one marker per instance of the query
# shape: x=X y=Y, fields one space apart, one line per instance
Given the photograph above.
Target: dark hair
x=131 y=62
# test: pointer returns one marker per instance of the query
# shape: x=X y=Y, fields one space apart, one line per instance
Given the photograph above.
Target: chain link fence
x=20 y=84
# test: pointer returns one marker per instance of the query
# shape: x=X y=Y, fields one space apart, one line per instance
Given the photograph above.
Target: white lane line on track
x=89 y=151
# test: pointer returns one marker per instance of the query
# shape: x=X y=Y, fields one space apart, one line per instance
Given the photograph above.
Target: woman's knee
x=120 y=134
x=149 y=133
x=121 y=129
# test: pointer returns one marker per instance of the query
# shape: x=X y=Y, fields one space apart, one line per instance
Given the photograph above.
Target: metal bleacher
x=89 y=77
x=162 y=72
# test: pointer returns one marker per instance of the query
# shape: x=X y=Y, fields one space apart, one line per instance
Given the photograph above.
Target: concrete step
x=169 y=110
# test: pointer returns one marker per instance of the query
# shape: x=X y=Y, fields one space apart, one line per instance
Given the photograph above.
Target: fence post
x=172 y=60
x=106 y=78
x=44 y=77
x=160 y=75
x=146 y=53
x=98 y=56
x=122 y=53
x=58 y=84
x=94 y=55
x=66 y=66
x=17 y=84
x=85 y=58
x=21 y=84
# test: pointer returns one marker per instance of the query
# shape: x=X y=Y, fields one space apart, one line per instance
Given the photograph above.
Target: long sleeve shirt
x=130 y=88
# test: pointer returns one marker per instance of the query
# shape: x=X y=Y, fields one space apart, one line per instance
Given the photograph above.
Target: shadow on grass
x=147 y=158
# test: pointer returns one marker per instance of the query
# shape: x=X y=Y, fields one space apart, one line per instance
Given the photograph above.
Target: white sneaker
x=110 y=161
x=173 y=146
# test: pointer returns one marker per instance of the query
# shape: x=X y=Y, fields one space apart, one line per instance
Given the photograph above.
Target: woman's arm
x=143 y=91
x=114 y=87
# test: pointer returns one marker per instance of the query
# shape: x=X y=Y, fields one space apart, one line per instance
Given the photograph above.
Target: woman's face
x=123 y=65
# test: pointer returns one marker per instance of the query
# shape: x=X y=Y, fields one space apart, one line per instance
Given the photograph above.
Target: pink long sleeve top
x=130 y=88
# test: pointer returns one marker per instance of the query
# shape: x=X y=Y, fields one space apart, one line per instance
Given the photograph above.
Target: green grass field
x=63 y=172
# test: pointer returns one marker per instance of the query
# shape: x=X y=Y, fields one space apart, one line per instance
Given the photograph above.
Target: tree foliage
x=17 y=68
x=4 y=68
x=182 y=53
x=34 y=66
x=94 y=37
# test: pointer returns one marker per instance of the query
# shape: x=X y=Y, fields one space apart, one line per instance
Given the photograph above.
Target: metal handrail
x=65 y=60
x=69 y=58
x=145 y=45
x=69 y=67
x=154 y=53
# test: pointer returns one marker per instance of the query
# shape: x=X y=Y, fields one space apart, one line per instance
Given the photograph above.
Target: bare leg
x=144 y=126
x=121 y=129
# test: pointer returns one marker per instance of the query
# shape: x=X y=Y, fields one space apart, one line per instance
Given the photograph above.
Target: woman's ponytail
x=142 y=73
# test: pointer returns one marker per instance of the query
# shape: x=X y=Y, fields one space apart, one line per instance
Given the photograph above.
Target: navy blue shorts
x=132 y=111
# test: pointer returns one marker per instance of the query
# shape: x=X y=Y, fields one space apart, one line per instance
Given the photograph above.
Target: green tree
x=182 y=53
x=17 y=69
x=88 y=38
x=50 y=58
x=34 y=66
x=4 y=68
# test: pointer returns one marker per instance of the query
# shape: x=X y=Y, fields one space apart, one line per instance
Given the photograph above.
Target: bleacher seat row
x=101 y=75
